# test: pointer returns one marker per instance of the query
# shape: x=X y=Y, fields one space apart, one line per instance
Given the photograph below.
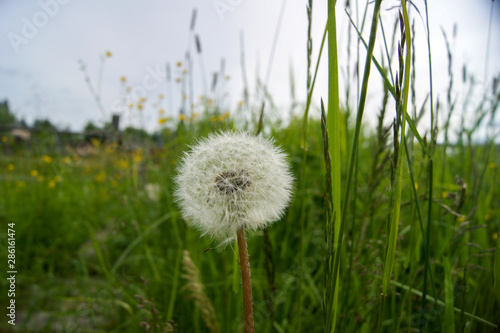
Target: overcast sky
x=42 y=42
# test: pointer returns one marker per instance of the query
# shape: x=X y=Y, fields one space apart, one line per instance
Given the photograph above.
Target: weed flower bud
x=233 y=180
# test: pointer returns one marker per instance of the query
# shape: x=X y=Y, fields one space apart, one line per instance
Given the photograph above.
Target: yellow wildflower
x=179 y=64
x=109 y=149
x=227 y=115
x=122 y=164
x=492 y=165
x=444 y=195
x=95 y=142
x=21 y=183
x=162 y=121
x=123 y=79
x=139 y=107
x=5 y=139
x=461 y=219
x=39 y=179
x=57 y=179
x=137 y=155
x=52 y=184
x=67 y=160
x=213 y=118
x=495 y=236
x=109 y=54
x=220 y=118
x=34 y=173
x=182 y=117
x=101 y=176
x=10 y=167
x=47 y=159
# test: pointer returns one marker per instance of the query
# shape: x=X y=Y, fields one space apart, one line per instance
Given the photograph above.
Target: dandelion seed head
x=233 y=180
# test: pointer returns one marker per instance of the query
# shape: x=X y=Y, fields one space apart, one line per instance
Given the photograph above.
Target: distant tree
x=6 y=118
x=90 y=127
x=44 y=125
x=135 y=133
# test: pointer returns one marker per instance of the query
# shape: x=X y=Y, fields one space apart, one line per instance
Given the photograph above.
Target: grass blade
x=449 y=319
x=496 y=267
x=334 y=127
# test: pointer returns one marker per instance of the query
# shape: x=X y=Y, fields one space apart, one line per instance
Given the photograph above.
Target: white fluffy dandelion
x=231 y=181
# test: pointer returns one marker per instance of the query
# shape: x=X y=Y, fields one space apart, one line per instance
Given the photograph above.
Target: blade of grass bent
x=138 y=240
x=441 y=303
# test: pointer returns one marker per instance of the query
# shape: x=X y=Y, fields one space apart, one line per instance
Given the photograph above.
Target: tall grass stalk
x=334 y=127
x=333 y=124
x=309 y=87
x=431 y=165
x=394 y=222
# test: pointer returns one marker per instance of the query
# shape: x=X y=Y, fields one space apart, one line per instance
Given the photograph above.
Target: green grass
x=411 y=243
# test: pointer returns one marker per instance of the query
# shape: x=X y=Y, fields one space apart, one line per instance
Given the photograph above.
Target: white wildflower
x=233 y=180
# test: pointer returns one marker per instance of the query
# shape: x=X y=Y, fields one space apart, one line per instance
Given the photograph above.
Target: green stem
x=431 y=173
x=394 y=222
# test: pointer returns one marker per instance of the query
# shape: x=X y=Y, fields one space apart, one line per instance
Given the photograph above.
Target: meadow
x=388 y=230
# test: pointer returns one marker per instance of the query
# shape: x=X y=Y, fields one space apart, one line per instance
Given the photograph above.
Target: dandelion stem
x=246 y=281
